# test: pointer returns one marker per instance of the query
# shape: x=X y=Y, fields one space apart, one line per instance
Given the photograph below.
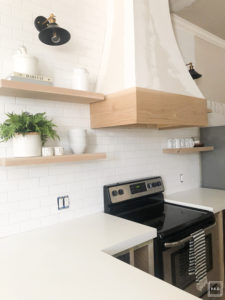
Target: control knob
x=121 y=192
x=114 y=193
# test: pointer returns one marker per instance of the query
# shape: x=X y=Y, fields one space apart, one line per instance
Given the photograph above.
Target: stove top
x=176 y=218
x=142 y=201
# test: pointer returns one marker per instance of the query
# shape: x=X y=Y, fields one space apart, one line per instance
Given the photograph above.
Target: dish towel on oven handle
x=197 y=258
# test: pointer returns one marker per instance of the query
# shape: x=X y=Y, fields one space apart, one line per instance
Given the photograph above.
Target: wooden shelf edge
x=188 y=150
x=19 y=161
x=44 y=92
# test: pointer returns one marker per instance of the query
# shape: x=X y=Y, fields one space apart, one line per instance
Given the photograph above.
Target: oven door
x=175 y=264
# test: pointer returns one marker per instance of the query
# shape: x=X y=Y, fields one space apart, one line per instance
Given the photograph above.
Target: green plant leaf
x=25 y=123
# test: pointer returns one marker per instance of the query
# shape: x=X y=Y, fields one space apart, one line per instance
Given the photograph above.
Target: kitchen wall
x=28 y=194
x=207 y=52
x=210 y=59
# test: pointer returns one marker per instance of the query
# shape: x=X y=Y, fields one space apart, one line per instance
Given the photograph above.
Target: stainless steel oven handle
x=187 y=239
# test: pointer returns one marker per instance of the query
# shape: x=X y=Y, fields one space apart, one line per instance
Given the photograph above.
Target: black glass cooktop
x=175 y=219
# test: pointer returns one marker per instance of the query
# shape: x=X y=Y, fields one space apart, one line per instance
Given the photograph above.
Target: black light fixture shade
x=193 y=73
x=54 y=35
x=50 y=33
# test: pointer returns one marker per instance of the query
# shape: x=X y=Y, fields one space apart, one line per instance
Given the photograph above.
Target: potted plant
x=28 y=132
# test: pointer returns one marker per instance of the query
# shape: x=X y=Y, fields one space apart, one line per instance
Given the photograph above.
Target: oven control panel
x=129 y=190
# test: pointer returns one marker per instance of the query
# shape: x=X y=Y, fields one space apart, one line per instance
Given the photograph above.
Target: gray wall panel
x=213 y=163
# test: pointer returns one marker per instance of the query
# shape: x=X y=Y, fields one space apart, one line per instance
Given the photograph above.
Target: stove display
x=138 y=188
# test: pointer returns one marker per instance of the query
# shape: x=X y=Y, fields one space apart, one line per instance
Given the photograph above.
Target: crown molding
x=198 y=31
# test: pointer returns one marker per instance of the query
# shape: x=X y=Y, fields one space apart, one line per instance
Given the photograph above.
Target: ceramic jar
x=78 y=141
x=47 y=151
x=80 y=79
x=24 y=63
x=58 y=151
x=27 y=145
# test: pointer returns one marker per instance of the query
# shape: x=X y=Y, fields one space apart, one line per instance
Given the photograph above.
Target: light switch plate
x=63 y=202
x=66 y=201
x=60 y=201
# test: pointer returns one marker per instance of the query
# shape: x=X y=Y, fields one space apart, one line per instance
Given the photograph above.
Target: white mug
x=191 y=142
x=47 y=151
x=187 y=142
x=182 y=143
x=170 y=143
x=177 y=143
x=58 y=151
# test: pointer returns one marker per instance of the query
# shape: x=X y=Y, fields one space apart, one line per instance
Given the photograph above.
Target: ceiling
x=208 y=14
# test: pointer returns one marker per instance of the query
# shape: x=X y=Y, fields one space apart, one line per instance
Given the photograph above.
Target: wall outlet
x=63 y=202
x=181 y=178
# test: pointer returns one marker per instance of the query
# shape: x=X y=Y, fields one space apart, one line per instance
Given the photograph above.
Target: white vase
x=78 y=141
x=80 y=79
x=27 y=145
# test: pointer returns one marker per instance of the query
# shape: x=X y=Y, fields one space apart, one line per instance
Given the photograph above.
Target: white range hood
x=141 y=50
x=142 y=58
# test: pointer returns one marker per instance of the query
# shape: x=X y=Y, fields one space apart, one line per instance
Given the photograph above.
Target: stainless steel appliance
x=142 y=201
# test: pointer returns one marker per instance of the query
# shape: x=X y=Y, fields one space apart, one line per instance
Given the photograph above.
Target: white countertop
x=209 y=199
x=68 y=262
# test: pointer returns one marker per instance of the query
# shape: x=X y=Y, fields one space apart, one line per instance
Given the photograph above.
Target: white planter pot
x=78 y=141
x=27 y=145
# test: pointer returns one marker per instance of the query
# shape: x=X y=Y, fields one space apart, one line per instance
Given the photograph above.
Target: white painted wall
x=28 y=194
x=186 y=42
x=188 y=36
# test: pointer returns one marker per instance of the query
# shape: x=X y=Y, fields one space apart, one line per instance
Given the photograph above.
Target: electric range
x=142 y=201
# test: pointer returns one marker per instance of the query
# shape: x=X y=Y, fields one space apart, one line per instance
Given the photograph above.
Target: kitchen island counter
x=71 y=261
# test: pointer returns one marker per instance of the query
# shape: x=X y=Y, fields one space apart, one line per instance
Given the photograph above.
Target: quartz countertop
x=203 y=198
x=72 y=260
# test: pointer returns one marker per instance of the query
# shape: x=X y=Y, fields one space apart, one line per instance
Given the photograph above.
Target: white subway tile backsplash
x=50 y=220
x=28 y=195
x=28 y=184
x=36 y=172
x=18 y=216
x=20 y=173
x=31 y=203
x=30 y=224
x=4 y=219
x=17 y=196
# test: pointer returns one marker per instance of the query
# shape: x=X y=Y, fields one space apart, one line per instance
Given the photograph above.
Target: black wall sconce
x=50 y=33
x=194 y=74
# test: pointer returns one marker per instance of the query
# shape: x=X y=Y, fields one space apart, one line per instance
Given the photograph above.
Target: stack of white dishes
x=78 y=140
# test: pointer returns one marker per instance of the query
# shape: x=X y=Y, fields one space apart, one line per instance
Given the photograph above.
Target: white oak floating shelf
x=188 y=150
x=43 y=92
x=19 y=161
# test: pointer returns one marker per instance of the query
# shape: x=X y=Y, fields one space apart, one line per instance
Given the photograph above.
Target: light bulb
x=55 y=38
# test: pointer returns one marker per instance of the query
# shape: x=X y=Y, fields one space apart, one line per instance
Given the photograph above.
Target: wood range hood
x=140 y=106
x=142 y=72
